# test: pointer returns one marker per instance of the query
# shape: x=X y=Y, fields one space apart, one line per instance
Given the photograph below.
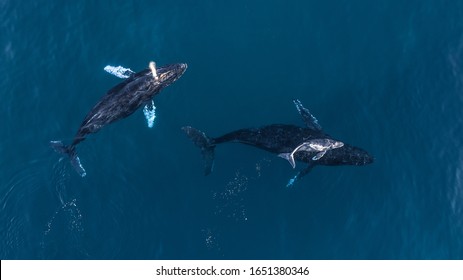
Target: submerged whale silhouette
x=120 y=102
x=283 y=139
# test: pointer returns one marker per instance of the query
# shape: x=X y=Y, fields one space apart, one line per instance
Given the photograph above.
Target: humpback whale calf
x=314 y=145
x=137 y=90
x=306 y=144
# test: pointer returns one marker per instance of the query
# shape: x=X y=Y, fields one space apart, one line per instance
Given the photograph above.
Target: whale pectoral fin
x=319 y=155
x=119 y=71
x=150 y=113
x=289 y=157
x=299 y=175
x=309 y=120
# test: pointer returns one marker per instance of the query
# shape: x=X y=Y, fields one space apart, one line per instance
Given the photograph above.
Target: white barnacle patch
x=119 y=71
x=152 y=67
x=150 y=113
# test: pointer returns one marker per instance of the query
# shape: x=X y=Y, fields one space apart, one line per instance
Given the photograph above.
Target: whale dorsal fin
x=307 y=117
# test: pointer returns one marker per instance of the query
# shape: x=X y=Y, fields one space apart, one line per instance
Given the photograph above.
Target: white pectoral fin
x=119 y=71
x=319 y=155
x=150 y=113
x=289 y=157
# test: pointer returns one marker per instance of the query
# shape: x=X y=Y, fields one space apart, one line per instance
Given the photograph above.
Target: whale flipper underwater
x=306 y=144
x=137 y=90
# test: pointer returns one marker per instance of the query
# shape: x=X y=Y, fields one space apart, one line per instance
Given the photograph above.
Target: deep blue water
x=386 y=76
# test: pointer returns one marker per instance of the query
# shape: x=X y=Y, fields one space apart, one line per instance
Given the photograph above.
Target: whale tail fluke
x=203 y=142
x=59 y=147
x=289 y=157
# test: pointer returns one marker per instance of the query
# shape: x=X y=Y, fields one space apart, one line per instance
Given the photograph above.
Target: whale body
x=120 y=102
x=283 y=139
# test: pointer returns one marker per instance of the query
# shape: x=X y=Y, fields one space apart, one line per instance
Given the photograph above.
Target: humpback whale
x=314 y=145
x=309 y=144
x=137 y=90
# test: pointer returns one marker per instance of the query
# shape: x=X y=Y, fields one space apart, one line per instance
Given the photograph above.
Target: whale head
x=149 y=82
x=168 y=74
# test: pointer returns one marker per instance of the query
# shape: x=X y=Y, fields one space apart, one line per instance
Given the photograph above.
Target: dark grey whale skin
x=284 y=138
x=125 y=98
x=278 y=139
x=120 y=102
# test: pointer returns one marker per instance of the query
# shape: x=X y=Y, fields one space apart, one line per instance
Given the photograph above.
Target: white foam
x=119 y=71
x=150 y=113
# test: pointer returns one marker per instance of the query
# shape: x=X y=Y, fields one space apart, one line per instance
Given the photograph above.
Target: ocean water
x=386 y=76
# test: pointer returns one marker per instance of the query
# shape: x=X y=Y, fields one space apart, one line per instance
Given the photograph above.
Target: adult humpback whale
x=120 y=102
x=288 y=141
